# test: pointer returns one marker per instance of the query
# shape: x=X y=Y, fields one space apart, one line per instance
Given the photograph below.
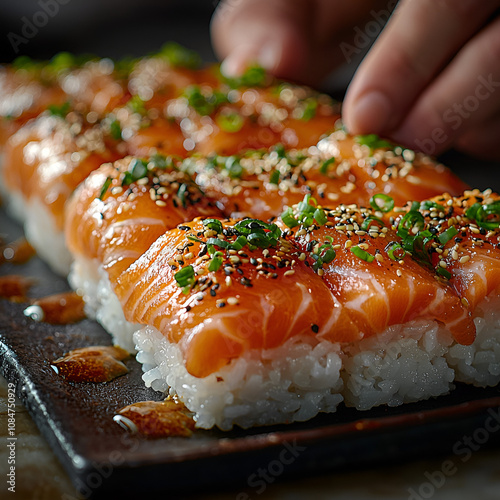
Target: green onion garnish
x=115 y=130
x=382 y=202
x=443 y=272
x=447 y=235
x=362 y=254
x=216 y=242
x=427 y=205
x=213 y=224
x=371 y=219
x=233 y=166
x=395 y=251
x=61 y=111
x=105 y=187
x=274 y=177
x=239 y=242
x=136 y=105
x=230 y=122
x=310 y=105
x=324 y=166
x=254 y=76
x=320 y=216
x=479 y=213
x=185 y=277
x=216 y=262
x=204 y=104
x=179 y=56
x=288 y=218
x=373 y=141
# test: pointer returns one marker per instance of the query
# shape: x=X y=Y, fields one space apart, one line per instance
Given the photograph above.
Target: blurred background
x=118 y=28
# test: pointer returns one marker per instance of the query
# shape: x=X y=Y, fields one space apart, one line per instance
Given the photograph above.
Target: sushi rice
x=303 y=377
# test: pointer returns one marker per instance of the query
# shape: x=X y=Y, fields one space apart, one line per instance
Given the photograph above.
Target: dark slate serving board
x=100 y=457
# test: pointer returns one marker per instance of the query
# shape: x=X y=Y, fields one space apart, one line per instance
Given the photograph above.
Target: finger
x=264 y=31
x=463 y=96
x=482 y=140
x=301 y=40
x=419 y=40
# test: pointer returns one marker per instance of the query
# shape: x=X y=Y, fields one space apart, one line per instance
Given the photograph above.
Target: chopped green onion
x=324 y=166
x=61 y=111
x=320 y=216
x=274 y=177
x=427 y=205
x=185 y=277
x=136 y=104
x=310 y=105
x=254 y=76
x=362 y=254
x=288 y=218
x=239 y=242
x=382 y=202
x=368 y=221
x=181 y=193
x=138 y=168
x=216 y=262
x=234 y=168
x=204 y=104
x=447 y=235
x=180 y=57
x=373 y=141
x=409 y=221
x=395 y=251
x=213 y=224
x=443 y=272
x=480 y=214
x=230 y=122
x=105 y=187
x=280 y=150
x=115 y=130
x=216 y=242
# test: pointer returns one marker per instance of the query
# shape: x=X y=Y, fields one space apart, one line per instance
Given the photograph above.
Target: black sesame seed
x=221 y=304
x=246 y=282
x=315 y=328
x=240 y=270
x=213 y=293
x=253 y=262
x=184 y=228
x=274 y=276
x=188 y=308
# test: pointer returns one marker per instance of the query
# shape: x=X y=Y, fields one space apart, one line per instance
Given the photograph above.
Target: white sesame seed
x=233 y=301
x=464 y=259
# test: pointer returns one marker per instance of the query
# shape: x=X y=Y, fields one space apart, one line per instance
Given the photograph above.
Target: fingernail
x=237 y=61
x=370 y=114
x=270 y=55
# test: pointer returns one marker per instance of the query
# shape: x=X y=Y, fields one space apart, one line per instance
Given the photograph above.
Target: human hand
x=300 y=40
x=430 y=81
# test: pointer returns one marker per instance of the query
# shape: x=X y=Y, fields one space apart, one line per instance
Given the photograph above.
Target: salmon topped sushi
x=460 y=237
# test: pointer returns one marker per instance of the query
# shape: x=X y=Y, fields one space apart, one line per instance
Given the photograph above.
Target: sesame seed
x=234 y=259
x=379 y=257
x=321 y=272
x=302 y=256
x=443 y=264
x=229 y=281
x=464 y=259
x=348 y=244
x=289 y=273
x=160 y=203
x=398 y=272
x=189 y=255
x=233 y=301
x=454 y=255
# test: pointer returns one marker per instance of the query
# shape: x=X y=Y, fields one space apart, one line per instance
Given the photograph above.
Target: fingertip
x=267 y=54
x=370 y=113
